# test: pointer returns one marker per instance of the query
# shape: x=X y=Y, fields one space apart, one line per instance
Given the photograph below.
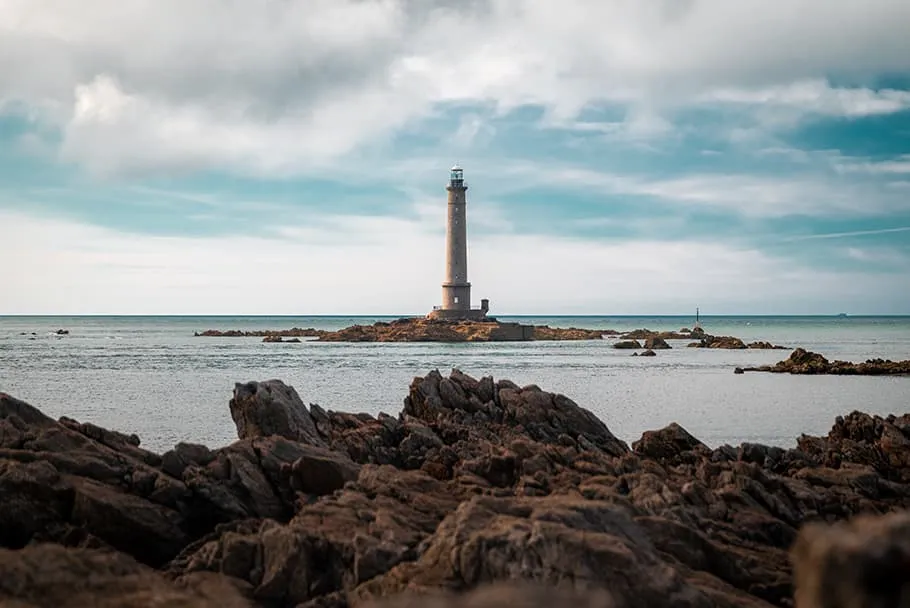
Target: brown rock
x=856 y=564
x=51 y=575
x=438 y=330
x=656 y=343
x=726 y=342
x=802 y=361
x=260 y=409
x=627 y=344
x=475 y=482
x=667 y=444
x=514 y=595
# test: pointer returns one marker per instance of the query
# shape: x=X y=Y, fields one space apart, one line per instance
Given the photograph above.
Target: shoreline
x=372 y=506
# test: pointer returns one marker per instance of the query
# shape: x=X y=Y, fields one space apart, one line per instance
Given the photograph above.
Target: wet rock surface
x=802 y=361
x=480 y=492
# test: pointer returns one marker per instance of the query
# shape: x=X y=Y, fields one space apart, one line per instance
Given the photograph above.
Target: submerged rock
x=646 y=353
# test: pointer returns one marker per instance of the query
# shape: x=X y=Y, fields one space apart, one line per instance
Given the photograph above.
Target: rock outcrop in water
x=733 y=343
x=478 y=493
x=437 y=330
x=294 y=332
x=426 y=330
x=802 y=361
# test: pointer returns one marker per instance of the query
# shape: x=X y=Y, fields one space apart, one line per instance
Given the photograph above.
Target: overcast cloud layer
x=619 y=145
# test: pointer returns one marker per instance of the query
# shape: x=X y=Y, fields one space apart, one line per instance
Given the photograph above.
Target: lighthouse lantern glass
x=456 y=175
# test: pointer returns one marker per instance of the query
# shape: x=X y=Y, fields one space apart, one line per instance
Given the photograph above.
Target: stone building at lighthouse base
x=456 y=290
x=461 y=314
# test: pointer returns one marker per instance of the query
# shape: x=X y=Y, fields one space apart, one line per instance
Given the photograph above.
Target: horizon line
x=399 y=316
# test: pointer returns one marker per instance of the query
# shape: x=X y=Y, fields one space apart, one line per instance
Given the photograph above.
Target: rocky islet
x=804 y=362
x=479 y=492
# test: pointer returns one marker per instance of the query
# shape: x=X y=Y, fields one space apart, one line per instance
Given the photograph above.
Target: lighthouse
x=456 y=290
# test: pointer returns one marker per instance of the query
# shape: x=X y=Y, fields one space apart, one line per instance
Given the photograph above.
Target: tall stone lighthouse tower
x=456 y=290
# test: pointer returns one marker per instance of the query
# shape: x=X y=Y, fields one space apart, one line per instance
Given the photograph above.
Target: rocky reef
x=683 y=334
x=294 y=332
x=420 y=329
x=479 y=493
x=802 y=361
x=733 y=343
x=435 y=330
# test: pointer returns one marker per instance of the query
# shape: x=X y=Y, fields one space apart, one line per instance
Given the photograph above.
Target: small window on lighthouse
x=456 y=299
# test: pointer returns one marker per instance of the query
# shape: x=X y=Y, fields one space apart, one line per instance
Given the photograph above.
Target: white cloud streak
x=742 y=194
x=895 y=166
x=385 y=266
x=841 y=235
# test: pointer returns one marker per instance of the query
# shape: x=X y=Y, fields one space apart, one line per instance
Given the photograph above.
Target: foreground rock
x=51 y=575
x=802 y=361
x=854 y=564
x=476 y=482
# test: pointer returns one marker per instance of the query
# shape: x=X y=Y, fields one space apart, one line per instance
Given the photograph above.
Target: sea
x=151 y=376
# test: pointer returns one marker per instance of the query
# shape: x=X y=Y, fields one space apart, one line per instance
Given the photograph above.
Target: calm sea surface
x=151 y=376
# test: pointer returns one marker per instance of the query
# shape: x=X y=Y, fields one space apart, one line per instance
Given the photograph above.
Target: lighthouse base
x=461 y=314
x=454 y=314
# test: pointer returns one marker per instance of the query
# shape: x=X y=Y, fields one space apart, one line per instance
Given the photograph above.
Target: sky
x=290 y=156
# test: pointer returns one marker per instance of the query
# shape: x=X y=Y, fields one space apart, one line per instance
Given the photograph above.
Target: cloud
x=878 y=257
x=750 y=195
x=387 y=266
x=897 y=165
x=817 y=96
x=285 y=87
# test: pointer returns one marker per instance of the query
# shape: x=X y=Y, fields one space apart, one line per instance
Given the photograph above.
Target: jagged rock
x=260 y=409
x=540 y=540
x=475 y=482
x=668 y=444
x=646 y=353
x=726 y=342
